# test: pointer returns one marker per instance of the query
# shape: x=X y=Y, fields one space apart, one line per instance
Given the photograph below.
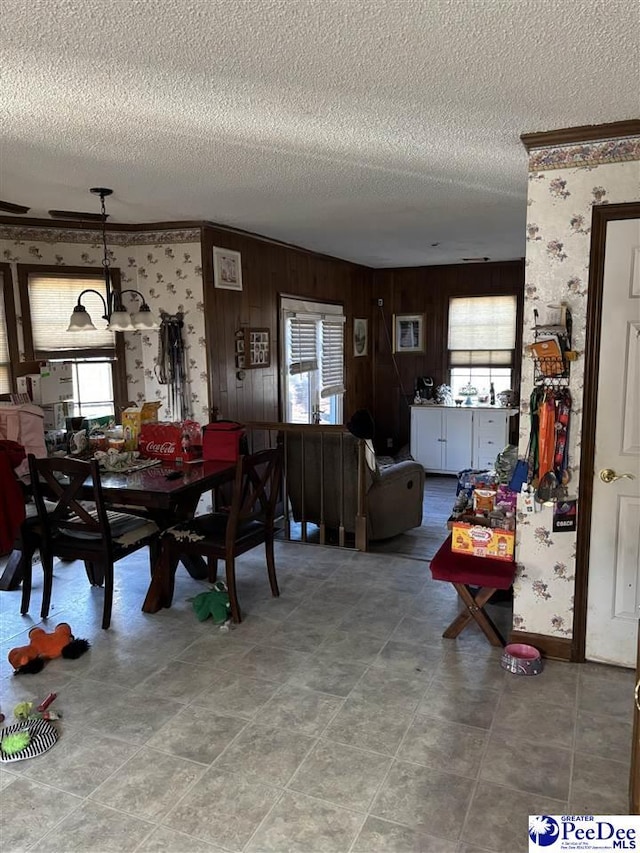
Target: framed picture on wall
x=227 y=269
x=360 y=336
x=408 y=332
x=257 y=348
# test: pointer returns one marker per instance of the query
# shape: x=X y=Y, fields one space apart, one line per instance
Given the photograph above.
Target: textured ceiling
x=366 y=129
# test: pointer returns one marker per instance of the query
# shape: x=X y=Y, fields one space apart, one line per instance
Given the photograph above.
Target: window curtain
x=482 y=330
x=52 y=300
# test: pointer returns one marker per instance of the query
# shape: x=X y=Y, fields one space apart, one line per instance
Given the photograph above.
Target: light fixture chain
x=106 y=262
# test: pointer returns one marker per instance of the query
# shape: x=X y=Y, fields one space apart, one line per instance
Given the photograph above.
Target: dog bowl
x=521 y=659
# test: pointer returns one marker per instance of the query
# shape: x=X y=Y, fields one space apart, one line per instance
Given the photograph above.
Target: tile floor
x=334 y=718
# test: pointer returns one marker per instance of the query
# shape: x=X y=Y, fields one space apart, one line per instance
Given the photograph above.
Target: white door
x=614 y=561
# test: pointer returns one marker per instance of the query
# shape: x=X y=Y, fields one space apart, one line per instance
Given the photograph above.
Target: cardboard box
x=175 y=442
x=479 y=541
x=133 y=420
x=55 y=416
x=53 y=384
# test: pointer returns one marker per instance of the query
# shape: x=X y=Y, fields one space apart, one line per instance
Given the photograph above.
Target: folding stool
x=464 y=571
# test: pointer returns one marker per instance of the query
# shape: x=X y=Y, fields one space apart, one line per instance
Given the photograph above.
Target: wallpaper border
x=41 y=234
x=586 y=154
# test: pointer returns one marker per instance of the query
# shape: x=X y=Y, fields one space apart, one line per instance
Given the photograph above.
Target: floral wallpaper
x=165 y=266
x=564 y=183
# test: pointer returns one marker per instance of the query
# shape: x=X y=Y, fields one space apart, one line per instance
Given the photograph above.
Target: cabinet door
x=458 y=435
x=426 y=437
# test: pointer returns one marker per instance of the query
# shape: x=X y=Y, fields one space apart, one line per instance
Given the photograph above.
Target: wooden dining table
x=167 y=492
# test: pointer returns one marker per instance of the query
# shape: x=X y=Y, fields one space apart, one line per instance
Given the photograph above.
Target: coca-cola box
x=177 y=441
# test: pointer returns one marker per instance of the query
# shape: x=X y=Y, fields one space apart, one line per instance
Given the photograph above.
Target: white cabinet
x=441 y=438
x=446 y=440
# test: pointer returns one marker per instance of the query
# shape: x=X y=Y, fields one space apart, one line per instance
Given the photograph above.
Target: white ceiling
x=366 y=129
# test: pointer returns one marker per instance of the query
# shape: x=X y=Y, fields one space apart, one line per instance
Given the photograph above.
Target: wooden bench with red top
x=464 y=571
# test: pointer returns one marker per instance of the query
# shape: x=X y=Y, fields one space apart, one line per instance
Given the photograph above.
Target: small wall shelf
x=551 y=350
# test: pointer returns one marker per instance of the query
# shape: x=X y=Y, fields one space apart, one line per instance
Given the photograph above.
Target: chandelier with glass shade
x=117 y=317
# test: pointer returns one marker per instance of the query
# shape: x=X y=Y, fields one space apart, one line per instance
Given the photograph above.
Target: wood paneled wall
x=426 y=290
x=376 y=381
x=268 y=271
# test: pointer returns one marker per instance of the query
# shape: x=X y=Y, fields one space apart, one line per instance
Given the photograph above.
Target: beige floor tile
x=265 y=754
x=148 y=785
x=223 y=809
x=341 y=774
x=300 y=824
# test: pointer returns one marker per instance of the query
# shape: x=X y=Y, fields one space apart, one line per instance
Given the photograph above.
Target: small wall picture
x=257 y=348
x=227 y=269
x=408 y=332
x=360 y=336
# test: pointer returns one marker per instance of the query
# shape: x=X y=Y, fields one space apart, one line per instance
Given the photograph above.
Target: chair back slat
x=256 y=488
x=61 y=480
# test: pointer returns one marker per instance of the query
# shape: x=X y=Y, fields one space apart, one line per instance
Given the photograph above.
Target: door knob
x=635 y=693
x=608 y=475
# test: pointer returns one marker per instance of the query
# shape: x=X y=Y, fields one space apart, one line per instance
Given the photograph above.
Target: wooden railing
x=349 y=517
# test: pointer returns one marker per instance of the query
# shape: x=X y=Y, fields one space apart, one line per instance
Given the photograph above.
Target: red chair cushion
x=467 y=569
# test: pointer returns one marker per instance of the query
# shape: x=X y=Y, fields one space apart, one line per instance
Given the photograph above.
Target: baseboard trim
x=554 y=648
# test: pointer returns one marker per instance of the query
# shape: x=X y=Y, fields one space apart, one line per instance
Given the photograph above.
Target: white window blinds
x=332 y=356
x=52 y=300
x=5 y=384
x=315 y=342
x=303 y=343
x=482 y=330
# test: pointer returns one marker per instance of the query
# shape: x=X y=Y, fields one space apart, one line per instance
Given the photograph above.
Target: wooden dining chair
x=76 y=525
x=247 y=521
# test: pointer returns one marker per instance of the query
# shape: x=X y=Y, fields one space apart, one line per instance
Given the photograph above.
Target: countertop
x=466 y=408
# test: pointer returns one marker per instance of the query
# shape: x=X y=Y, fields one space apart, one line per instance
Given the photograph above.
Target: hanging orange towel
x=547 y=436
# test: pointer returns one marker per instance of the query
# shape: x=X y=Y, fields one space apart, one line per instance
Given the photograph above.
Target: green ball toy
x=16 y=742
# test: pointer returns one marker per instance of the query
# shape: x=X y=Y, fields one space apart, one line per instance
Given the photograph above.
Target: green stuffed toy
x=214 y=603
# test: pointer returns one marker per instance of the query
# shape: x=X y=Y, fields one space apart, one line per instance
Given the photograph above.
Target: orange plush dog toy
x=43 y=647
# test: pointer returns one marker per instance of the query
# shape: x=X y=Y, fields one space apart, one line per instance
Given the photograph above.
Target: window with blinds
x=316 y=342
x=48 y=295
x=332 y=355
x=482 y=331
x=51 y=302
x=303 y=344
x=5 y=361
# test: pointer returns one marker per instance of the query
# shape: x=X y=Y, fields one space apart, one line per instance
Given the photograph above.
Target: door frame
x=601 y=216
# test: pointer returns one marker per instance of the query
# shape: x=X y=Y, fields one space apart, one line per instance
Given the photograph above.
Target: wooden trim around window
x=10 y=314
x=602 y=215
x=119 y=369
x=585 y=133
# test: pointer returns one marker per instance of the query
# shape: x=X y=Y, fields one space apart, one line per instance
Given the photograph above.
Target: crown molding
x=585 y=133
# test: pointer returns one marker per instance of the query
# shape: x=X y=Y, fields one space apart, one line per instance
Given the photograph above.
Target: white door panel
x=614 y=560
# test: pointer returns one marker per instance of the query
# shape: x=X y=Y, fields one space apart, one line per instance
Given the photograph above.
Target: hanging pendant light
x=117 y=317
